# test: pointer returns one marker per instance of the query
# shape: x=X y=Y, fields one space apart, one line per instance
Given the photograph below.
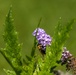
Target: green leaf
x=60 y=36
x=12 y=50
x=35 y=42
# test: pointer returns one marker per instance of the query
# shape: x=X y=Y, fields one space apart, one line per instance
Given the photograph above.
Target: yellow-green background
x=26 y=14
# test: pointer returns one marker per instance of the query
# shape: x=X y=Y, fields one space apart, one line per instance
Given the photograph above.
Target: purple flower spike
x=65 y=55
x=42 y=38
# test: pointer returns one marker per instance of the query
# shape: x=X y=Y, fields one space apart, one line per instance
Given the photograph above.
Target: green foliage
x=53 y=53
x=35 y=64
x=12 y=50
x=60 y=36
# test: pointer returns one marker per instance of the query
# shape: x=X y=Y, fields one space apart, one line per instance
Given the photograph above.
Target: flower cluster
x=65 y=55
x=42 y=38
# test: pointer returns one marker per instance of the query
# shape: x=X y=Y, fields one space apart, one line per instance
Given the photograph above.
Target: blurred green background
x=26 y=14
